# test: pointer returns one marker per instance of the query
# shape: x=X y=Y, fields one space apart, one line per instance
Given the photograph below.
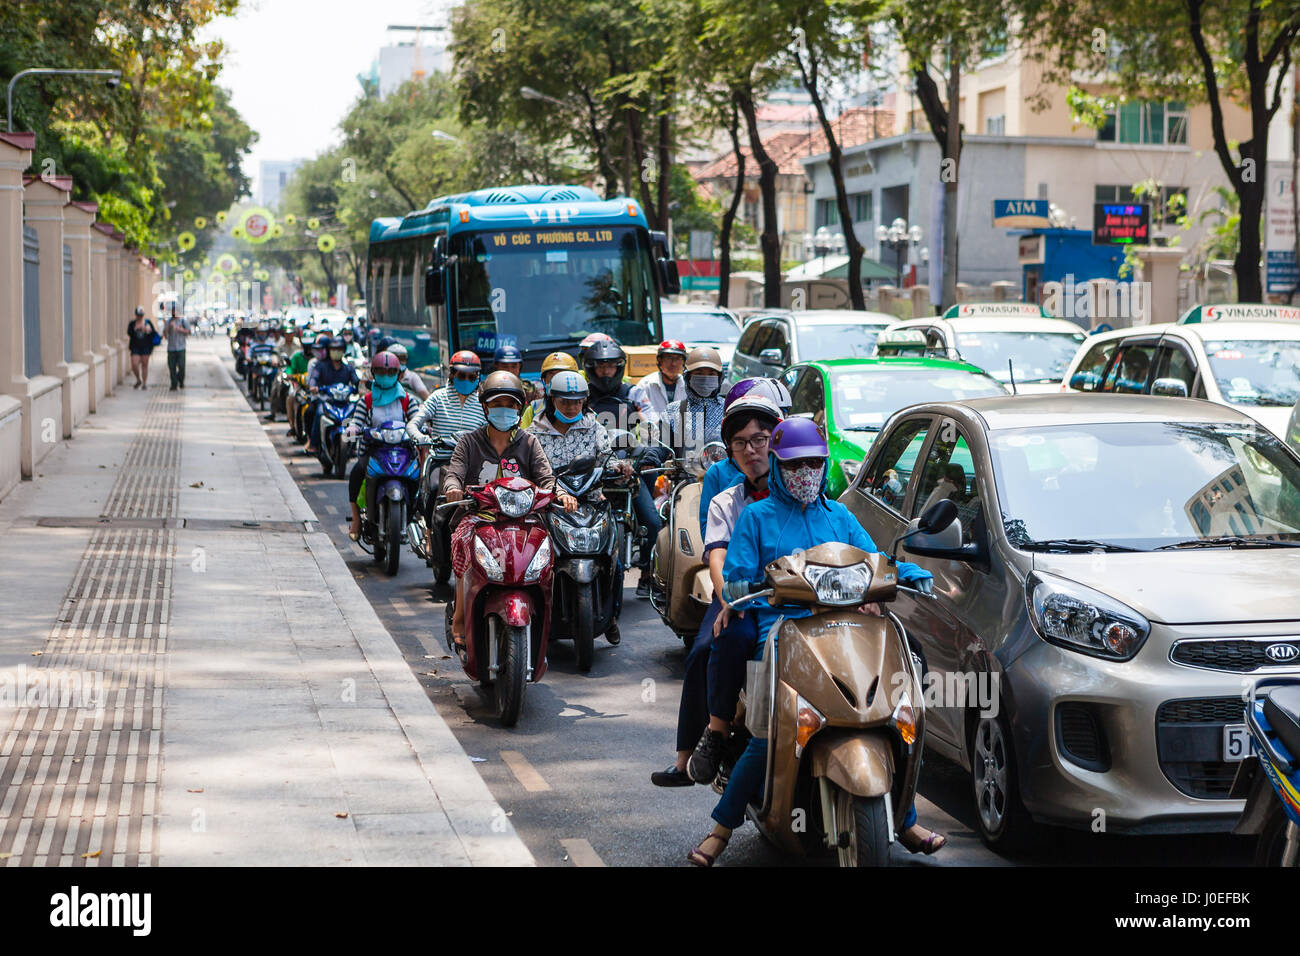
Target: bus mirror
x=659 y=242
x=671 y=280
x=433 y=293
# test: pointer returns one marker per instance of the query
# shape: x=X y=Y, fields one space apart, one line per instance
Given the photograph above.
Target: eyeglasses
x=757 y=443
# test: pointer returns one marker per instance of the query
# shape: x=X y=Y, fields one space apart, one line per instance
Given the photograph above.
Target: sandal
x=929 y=846
x=698 y=857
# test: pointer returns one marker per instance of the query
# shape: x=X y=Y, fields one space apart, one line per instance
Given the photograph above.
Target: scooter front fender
x=513 y=607
x=861 y=764
x=582 y=570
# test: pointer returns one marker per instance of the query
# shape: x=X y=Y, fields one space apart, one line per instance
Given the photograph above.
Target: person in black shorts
x=140 y=332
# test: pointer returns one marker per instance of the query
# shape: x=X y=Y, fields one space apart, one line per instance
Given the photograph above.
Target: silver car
x=1121 y=568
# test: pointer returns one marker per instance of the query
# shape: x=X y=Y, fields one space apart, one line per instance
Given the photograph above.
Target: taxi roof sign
x=900 y=342
x=996 y=310
x=1240 y=312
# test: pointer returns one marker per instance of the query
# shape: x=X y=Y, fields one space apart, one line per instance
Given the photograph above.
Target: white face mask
x=704 y=386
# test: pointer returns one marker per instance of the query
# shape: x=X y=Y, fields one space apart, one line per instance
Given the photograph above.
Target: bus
x=537 y=267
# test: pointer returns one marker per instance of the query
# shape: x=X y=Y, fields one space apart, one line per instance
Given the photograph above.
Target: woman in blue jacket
x=795 y=515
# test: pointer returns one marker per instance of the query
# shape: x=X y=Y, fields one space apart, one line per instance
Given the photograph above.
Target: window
x=748 y=338
x=950 y=473
x=891 y=472
x=861 y=205
x=1176 y=363
x=1130 y=369
x=828 y=212
x=780 y=339
x=1087 y=377
x=1146 y=123
x=996 y=125
x=809 y=396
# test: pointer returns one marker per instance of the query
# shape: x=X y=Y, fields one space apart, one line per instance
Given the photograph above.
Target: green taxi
x=852 y=398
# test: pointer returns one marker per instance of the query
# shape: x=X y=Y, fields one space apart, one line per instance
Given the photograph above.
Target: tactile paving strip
x=80 y=760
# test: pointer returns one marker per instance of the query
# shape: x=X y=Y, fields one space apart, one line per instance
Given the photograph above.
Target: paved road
x=574 y=773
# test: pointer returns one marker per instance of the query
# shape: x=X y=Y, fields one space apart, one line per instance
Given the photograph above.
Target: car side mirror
x=434 y=294
x=937 y=517
x=1175 y=387
x=771 y=357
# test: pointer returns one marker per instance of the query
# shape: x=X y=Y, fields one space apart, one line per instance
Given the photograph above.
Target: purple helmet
x=737 y=390
x=770 y=388
x=798 y=438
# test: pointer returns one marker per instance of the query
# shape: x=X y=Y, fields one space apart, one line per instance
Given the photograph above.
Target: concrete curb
x=480 y=824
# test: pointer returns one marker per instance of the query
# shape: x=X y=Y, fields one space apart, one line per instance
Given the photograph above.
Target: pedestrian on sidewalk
x=178 y=331
x=142 y=337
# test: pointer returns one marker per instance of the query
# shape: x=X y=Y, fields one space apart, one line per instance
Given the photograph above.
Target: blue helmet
x=507 y=354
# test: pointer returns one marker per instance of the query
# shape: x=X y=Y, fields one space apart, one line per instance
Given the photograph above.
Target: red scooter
x=508 y=618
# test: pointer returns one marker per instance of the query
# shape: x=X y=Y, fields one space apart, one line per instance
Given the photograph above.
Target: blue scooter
x=335 y=404
x=1269 y=778
x=391 y=478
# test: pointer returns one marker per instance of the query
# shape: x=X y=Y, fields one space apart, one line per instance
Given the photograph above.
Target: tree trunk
x=770 y=240
x=665 y=159
x=952 y=151
x=809 y=74
x=637 y=136
x=729 y=217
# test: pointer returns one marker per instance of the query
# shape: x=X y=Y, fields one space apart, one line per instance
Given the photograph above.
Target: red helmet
x=671 y=347
x=384 y=361
x=466 y=361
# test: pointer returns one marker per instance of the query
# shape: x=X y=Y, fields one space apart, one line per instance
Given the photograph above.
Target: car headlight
x=838 y=586
x=808 y=720
x=540 y=560
x=516 y=504
x=850 y=469
x=1067 y=613
x=580 y=539
x=483 y=555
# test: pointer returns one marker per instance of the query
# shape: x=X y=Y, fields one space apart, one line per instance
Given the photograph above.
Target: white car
x=332 y=319
x=708 y=325
x=989 y=335
x=1211 y=353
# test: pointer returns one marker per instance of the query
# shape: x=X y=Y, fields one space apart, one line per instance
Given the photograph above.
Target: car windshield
x=715 y=327
x=838 y=340
x=1037 y=356
x=1256 y=371
x=863 y=398
x=1145 y=485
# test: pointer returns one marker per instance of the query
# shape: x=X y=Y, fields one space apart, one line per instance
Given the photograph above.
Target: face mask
x=803 y=483
x=386 y=381
x=503 y=419
x=566 y=419
x=464 y=387
x=704 y=386
x=336 y=354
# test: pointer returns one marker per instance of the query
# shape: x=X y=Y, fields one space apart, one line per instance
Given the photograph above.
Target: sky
x=292 y=65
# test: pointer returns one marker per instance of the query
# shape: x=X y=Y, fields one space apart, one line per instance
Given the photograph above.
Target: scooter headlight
x=541 y=560
x=516 y=504
x=838 y=587
x=580 y=540
x=483 y=555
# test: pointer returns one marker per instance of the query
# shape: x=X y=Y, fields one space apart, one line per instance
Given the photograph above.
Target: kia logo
x=1282 y=653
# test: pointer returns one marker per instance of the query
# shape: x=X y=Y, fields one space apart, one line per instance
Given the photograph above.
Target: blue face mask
x=385 y=389
x=567 y=419
x=464 y=387
x=503 y=419
x=385 y=381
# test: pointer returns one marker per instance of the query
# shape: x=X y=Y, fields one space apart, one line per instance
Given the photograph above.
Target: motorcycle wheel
x=393 y=530
x=511 y=676
x=1272 y=841
x=340 y=460
x=867 y=821
x=584 y=627
x=261 y=393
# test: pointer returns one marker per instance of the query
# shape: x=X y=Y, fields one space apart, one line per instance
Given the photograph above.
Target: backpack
x=406 y=403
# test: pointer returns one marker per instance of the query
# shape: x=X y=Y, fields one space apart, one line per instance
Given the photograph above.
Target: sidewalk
x=223 y=693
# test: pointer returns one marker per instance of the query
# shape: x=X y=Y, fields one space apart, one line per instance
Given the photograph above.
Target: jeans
x=356 y=476
x=314 y=440
x=648 y=517
x=176 y=367
x=693 y=711
x=745 y=786
x=726 y=667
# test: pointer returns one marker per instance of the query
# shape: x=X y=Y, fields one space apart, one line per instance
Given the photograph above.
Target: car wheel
x=1002 y=818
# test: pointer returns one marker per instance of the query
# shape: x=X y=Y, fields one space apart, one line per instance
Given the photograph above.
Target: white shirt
x=651 y=395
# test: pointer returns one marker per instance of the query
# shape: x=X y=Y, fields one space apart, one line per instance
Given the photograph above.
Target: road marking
x=581 y=853
x=402 y=607
x=331 y=510
x=529 y=778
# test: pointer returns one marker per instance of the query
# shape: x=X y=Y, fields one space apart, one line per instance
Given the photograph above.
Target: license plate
x=1236 y=743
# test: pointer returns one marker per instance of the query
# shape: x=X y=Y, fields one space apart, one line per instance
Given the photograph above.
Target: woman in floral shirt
x=566 y=429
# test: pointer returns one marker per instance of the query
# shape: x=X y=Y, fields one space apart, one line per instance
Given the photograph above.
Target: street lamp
x=115 y=77
x=898 y=236
x=825 y=240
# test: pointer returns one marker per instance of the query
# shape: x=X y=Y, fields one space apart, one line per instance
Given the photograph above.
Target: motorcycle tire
x=261 y=393
x=869 y=832
x=340 y=461
x=393 y=530
x=512 y=676
x=584 y=627
x=1272 y=841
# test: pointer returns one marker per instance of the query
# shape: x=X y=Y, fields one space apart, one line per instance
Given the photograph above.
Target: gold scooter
x=681 y=590
x=838 y=698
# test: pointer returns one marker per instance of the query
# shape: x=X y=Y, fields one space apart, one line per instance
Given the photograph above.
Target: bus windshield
x=546 y=289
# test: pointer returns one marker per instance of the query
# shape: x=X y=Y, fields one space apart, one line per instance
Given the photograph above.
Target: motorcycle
x=587 y=550
x=508 y=617
x=281 y=384
x=681 y=589
x=390 y=477
x=838 y=698
x=1269 y=778
x=427 y=499
x=334 y=405
x=296 y=392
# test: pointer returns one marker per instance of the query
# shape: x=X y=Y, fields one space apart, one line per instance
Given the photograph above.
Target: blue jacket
x=720 y=476
x=778 y=525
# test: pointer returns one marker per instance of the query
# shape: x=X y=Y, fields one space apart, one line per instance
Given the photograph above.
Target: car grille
x=1238 y=656
x=1189 y=742
x=1080 y=736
